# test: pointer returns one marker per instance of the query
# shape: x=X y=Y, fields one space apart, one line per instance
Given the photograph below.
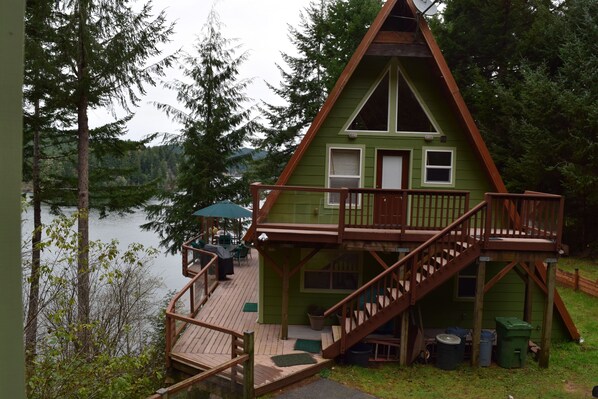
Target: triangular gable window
x=411 y=117
x=373 y=115
x=392 y=105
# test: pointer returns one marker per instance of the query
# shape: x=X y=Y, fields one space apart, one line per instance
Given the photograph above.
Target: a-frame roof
x=472 y=131
x=461 y=110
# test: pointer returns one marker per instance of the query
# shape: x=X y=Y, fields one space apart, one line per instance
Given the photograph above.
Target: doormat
x=308 y=345
x=250 y=307
x=293 y=359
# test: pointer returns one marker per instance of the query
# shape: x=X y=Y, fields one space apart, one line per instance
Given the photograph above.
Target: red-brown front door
x=392 y=173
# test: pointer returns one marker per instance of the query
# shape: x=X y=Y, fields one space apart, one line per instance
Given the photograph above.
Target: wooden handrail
x=411 y=256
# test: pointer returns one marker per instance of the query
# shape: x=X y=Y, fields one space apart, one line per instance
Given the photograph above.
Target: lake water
x=126 y=230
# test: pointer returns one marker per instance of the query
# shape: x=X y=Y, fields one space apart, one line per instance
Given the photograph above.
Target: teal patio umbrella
x=224 y=209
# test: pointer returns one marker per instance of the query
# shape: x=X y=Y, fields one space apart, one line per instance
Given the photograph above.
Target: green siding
x=311 y=169
x=271 y=292
x=440 y=309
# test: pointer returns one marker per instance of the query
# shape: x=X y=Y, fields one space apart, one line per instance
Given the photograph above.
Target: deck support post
x=478 y=311
x=249 y=365
x=544 y=357
x=404 y=338
x=284 y=322
x=529 y=293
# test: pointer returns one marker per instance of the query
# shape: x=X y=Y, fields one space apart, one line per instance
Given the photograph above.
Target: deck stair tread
x=327 y=339
x=371 y=308
x=394 y=294
x=453 y=253
x=336 y=333
x=440 y=260
x=361 y=316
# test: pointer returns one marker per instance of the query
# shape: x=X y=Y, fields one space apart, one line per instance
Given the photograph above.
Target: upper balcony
x=391 y=218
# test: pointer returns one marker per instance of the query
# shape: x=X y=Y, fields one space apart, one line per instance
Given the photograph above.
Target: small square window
x=438 y=166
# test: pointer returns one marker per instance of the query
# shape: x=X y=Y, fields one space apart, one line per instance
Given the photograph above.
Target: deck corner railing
x=181 y=313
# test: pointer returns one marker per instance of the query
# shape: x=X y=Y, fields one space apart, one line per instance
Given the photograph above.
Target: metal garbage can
x=512 y=341
x=461 y=333
x=447 y=351
x=359 y=354
x=486 y=340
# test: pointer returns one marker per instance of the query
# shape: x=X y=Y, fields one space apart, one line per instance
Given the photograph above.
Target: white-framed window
x=344 y=170
x=392 y=106
x=438 y=167
x=331 y=272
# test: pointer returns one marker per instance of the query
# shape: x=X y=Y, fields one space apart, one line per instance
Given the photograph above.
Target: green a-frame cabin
x=392 y=203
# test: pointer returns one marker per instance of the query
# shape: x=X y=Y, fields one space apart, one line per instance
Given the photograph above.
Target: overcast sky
x=262 y=29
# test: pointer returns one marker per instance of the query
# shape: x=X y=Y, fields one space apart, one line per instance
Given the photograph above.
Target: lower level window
x=339 y=274
x=466 y=283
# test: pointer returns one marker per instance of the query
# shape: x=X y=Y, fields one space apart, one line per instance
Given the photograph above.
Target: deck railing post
x=489 y=211
x=413 y=280
x=184 y=260
x=248 y=367
x=192 y=299
x=256 y=201
x=341 y=213
x=404 y=201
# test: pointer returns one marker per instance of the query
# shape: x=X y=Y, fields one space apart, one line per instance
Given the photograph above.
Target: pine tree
x=328 y=34
x=104 y=46
x=215 y=124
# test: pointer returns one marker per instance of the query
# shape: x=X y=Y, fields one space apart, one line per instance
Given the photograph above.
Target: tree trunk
x=83 y=285
x=33 y=300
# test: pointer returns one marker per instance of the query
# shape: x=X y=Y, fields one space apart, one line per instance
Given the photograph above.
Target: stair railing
x=460 y=236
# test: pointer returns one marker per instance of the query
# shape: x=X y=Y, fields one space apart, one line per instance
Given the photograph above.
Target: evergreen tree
x=104 y=47
x=215 y=125
x=44 y=114
x=328 y=34
x=528 y=71
x=486 y=45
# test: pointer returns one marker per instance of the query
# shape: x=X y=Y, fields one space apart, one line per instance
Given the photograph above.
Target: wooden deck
x=202 y=348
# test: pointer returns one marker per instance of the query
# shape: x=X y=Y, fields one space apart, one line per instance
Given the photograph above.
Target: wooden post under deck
x=478 y=311
x=248 y=366
x=404 y=338
x=284 y=322
x=529 y=291
x=544 y=357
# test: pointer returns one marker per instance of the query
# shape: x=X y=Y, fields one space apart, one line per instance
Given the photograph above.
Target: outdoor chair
x=240 y=252
x=225 y=240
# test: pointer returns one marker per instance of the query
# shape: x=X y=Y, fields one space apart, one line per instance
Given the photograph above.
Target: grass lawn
x=587 y=268
x=572 y=373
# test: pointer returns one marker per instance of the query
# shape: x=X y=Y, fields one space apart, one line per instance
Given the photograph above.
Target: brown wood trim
x=560 y=305
x=380 y=154
x=330 y=101
x=399 y=50
x=304 y=261
x=474 y=133
x=393 y=37
x=499 y=276
x=269 y=261
x=378 y=259
x=292 y=378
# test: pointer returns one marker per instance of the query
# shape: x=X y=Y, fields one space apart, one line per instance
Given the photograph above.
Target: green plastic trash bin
x=512 y=341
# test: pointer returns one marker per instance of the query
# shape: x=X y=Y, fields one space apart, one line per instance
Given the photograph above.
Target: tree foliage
x=329 y=32
x=215 y=125
x=528 y=71
x=126 y=356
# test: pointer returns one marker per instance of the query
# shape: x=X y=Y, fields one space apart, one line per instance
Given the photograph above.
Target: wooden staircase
x=405 y=282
